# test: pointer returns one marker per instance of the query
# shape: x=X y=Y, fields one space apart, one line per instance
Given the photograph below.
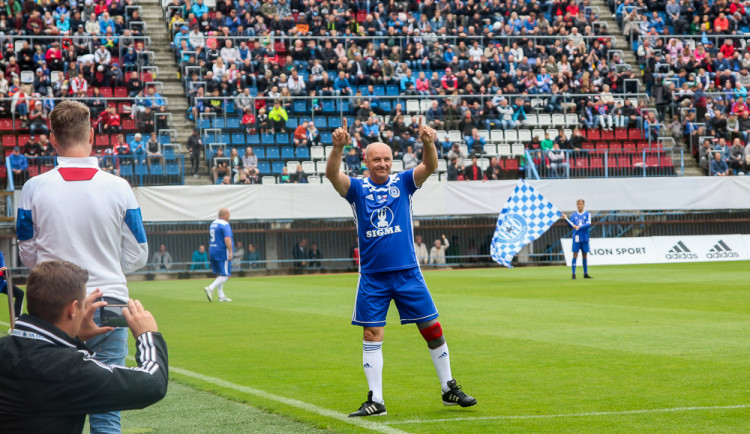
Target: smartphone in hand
x=111 y=314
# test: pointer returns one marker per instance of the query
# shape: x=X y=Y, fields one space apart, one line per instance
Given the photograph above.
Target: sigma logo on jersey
x=722 y=250
x=680 y=251
x=382 y=219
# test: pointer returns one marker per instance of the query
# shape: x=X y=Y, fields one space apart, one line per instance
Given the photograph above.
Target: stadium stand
x=382 y=69
x=95 y=53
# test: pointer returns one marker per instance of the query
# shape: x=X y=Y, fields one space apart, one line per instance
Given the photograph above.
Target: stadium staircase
x=628 y=56
x=169 y=76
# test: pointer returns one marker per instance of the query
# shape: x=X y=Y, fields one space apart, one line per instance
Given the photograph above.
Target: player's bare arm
x=228 y=243
x=340 y=181
x=429 y=157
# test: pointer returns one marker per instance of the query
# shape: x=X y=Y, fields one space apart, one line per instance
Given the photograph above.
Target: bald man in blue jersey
x=389 y=269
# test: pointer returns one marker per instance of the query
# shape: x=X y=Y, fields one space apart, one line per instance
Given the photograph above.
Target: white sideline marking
x=553 y=416
x=288 y=401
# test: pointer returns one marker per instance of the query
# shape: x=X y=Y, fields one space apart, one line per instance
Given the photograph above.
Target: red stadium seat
x=643 y=146
x=629 y=147
x=581 y=163
x=102 y=140
x=621 y=134
x=33 y=171
x=624 y=163
x=596 y=163
x=588 y=146
x=602 y=147
x=608 y=135
x=121 y=92
x=3 y=172
x=635 y=134
x=106 y=92
x=128 y=124
x=9 y=141
x=615 y=147
x=511 y=164
x=593 y=134
x=6 y=124
x=18 y=125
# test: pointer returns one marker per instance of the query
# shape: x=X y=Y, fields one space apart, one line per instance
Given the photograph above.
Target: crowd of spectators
x=484 y=62
x=89 y=51
x=699 y=81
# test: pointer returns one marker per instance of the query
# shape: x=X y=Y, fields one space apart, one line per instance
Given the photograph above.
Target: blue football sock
x=574 y=265
x=585 y=266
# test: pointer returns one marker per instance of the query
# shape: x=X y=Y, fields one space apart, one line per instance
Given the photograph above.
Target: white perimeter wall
x=307 y=201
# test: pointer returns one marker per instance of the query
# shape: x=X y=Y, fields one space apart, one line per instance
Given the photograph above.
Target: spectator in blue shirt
x=19 y=165
x=200 y=259
x=341 y=84
x=719 y=167
x=199 y=9
x=371 y=130
x=138 y=145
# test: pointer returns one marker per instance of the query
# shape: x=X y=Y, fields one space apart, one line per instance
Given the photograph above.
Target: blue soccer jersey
x=384 y=222
x=583 y=221
x=219 y=230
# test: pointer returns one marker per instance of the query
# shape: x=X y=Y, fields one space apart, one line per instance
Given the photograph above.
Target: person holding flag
x=581 y=222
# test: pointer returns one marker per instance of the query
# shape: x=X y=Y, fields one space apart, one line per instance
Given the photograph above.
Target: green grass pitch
x=657 y=348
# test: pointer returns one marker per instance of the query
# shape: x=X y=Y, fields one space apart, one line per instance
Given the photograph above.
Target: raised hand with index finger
x=340 y=137
x=426 y=133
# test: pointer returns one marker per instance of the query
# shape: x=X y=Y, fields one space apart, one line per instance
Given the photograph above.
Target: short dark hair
x=71 y=123
x=52 y=285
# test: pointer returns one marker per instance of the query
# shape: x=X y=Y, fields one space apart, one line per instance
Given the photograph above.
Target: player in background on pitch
x=389 y=269
x=220 y=254
x=581 y=222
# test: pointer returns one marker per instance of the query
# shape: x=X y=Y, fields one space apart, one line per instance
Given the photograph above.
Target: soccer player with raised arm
x=581 y=222
x=389 y=269
x=220 y=254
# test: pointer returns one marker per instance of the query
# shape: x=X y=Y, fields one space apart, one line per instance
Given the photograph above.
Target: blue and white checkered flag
x=526 y=216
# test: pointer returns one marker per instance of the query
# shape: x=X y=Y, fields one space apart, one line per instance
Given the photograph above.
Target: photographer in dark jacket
x=50 y=380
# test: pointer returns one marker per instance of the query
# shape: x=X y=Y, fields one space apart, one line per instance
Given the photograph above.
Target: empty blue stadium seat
x=379 y=90
x=385 y=105
x=326 y=138
x=272 y=153
x=233 y=123
x=277 y=167
x=169 y=153
x=229 y=107
x=264 y=167
x=321 y=122
x=128 y=138
x=126 y=170
x=291 y=123
x=260 y=152
x=329 y=106
x=141 y=169
x=238 y=138
x=391 y=90
x=267 y=139
x=173 y=169
x=282 y=139
x=253 y=140
x=209 y=138
x=157 y=169
x=303 y=153
x=254 y=91
x=225 y=138
x=345 y=106
x=205 y=123
x=334 y=122
x=287 y=153
x=219 y=123
x=300 y=106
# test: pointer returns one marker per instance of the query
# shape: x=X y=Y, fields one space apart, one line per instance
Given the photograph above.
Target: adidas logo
x=721 y=250
x=680 y=251
x=367 y=365
x=445 y=354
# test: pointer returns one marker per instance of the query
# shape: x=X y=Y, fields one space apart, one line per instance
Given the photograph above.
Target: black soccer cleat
x=586 y=276
x=574 y=277
x=370 y=408
x=456 y=396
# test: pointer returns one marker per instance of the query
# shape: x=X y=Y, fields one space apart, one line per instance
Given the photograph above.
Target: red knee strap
x=432 y=332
